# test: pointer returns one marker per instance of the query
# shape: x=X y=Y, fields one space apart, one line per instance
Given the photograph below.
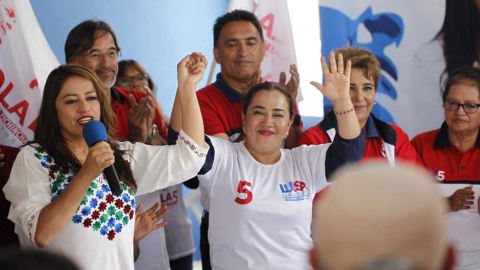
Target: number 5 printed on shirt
x=242 y=189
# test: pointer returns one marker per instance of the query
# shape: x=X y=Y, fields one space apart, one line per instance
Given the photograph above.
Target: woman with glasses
x=133 y=76
x=452 y=155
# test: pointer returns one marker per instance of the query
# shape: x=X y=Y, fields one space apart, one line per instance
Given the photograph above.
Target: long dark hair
x=460 y=34
x=47 y=132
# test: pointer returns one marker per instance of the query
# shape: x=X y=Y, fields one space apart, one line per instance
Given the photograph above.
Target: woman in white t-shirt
x=260 y=195
x=60 y=199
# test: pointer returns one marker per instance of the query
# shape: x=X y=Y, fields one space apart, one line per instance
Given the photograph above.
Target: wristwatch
x=154 y=134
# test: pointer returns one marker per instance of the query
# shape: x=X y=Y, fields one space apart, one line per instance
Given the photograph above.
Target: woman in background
x=452 y=155
x=383 y=140
x=176 y=239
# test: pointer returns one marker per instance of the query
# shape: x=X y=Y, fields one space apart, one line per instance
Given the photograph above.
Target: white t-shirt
x=260 y=215
x=100 y=234
x=153 y=249
x=463 y=229
x=178 y=232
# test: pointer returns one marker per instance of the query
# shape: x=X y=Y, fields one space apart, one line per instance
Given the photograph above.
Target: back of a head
x=375 y=212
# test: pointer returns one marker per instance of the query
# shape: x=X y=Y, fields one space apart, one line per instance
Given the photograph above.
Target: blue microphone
x=93 y=132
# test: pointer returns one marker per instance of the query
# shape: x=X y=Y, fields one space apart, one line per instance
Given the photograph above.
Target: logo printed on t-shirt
x=168 y=197
x=383 y=151
x=295 y=191
x=439 y=175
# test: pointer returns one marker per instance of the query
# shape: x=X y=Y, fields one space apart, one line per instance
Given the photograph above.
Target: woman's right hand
x=461 y=199
x=100 y=156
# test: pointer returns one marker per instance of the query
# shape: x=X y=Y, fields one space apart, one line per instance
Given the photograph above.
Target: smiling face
x=458 y=121
x=239 y=51
x=76 y=105
x=362 y=95
x=266 y=123
x=101 y=58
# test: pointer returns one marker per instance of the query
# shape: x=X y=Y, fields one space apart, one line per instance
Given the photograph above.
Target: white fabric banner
x=277 y=32
x=25 y=62
x=398 y=33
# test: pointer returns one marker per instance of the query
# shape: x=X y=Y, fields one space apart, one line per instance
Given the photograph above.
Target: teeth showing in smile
x=85 y=120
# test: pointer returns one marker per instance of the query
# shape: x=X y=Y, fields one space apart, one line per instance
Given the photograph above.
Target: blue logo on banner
x=338 y=30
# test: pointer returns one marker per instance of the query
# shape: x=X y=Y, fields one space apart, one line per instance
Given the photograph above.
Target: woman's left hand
x=145 y=222
x=337 y=79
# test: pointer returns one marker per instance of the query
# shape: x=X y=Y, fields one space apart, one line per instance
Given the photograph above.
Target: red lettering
x=33 y=84
x=10 y=12
x=4 y=94
x=255 y=6
x=267 y=25
x=299 y=185
x=20 y=109
x=242 y=189
x=33 y=125
x=175 y=196
x=2 y=78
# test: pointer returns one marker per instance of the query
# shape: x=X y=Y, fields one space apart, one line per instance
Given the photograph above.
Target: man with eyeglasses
x=93 y=44
x=452 y=155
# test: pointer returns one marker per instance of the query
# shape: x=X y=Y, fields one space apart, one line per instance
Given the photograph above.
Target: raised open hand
x=337 y=79
x=147 y=221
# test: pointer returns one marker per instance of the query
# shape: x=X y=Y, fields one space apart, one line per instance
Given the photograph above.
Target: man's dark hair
x=235 y=16
x=82 y=37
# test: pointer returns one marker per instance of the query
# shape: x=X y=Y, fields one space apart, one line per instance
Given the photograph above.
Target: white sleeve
x=312 y=159
x=219 y=148
x=157 y=167
x=28 y=190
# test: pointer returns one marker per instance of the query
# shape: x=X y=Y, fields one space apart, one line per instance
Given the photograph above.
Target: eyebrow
x=75 y=95
x=97 y=50
x=237 y=39
x=263 y=108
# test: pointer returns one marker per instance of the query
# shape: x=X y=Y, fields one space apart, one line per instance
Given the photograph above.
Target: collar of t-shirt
x=116 y=96
x=442 y=140
x=227 y=90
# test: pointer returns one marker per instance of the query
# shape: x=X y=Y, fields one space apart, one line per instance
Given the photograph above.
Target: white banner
x=25 y=61
x=397 y=32
x=279 y=47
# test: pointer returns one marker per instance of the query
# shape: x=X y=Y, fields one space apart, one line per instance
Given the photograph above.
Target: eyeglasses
x=126 y=80
x=467 y=107
x=97 y=56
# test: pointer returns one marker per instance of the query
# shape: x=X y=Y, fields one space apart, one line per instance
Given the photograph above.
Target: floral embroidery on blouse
x=100 y=210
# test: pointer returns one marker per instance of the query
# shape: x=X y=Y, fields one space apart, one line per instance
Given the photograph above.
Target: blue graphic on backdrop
x=337 y=30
